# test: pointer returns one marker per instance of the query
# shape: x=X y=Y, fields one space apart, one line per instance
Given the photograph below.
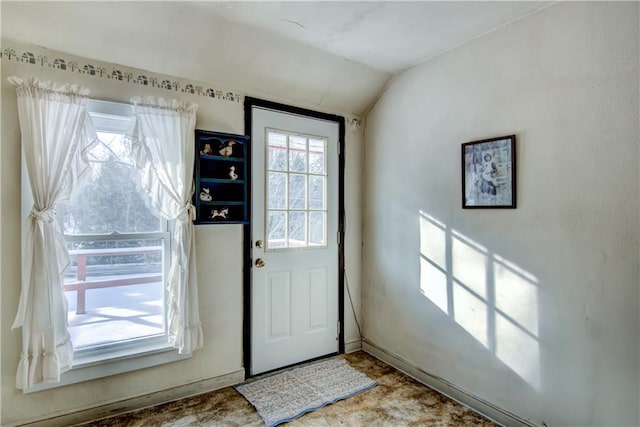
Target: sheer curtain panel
x=163 y=150
x=56 y=130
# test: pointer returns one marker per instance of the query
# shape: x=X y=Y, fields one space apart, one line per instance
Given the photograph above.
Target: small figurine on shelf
x=222 y=213
x=205 y=195
x=232 y=173
x=226 y=148
x=207 y=149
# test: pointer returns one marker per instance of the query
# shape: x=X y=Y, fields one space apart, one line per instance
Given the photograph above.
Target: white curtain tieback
x=45 y=215
x=190 y=210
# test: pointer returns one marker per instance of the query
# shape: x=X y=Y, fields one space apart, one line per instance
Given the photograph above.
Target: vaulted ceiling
x=333 y=56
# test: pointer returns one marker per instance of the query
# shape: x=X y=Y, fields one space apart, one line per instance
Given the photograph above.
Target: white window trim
x=89 y=365
x=90 y=368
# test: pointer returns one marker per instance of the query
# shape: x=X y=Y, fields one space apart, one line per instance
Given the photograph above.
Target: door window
x=296 y=190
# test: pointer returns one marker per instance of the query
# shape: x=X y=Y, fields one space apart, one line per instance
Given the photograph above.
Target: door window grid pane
x=297 y=192
x=298 y=154
x=297 y=229
x=317 y=156
x=277 y=190
x=317 y=229
x=277 y=226
x=296 y=205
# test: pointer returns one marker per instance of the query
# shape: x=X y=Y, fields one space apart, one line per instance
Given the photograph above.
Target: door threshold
x=289 y=367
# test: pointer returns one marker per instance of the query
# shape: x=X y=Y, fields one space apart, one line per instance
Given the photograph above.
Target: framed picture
x=489 y=173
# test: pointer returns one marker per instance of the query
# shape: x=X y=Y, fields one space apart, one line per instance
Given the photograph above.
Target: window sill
x=102 y=365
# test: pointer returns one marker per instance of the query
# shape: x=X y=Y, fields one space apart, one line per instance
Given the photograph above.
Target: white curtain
x=56 y=130
x=163 y=145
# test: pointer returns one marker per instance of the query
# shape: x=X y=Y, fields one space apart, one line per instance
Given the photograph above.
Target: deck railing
x=81 y=285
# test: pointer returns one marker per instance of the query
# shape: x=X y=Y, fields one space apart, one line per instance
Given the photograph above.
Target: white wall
x=219 y=249
x=536 y=309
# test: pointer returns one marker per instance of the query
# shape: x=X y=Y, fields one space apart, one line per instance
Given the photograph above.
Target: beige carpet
x=397 y=400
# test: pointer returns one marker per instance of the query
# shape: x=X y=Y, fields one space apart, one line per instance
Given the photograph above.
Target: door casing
x=249 y=103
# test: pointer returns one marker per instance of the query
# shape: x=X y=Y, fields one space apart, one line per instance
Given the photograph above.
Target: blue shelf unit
x=221 y=178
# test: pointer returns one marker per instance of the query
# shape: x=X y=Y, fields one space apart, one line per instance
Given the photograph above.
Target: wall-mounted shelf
x=221 y=177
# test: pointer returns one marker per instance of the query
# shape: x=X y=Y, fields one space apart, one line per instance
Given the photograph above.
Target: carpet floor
x=397 y=400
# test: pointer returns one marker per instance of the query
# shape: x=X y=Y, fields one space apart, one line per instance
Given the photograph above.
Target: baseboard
x=140 y=402
x=353 y=346
x=475 y=403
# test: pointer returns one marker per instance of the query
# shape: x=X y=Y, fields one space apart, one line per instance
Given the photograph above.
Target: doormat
x=285 y=396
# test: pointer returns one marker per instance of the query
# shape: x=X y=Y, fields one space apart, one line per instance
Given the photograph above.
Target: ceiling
x=387 y=36
x=334 y=56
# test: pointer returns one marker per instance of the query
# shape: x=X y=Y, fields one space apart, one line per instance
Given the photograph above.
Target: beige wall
x=219 y=255
x=535 y=310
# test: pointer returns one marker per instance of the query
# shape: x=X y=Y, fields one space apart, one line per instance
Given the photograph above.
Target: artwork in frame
x=489 y=173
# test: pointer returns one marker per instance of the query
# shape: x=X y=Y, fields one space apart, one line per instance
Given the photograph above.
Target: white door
x=294 y=291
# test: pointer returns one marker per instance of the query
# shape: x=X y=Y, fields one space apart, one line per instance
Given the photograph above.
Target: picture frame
x=489 y=173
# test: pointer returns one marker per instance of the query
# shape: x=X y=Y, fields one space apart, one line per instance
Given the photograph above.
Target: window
x=119 y=250
x=296 y=190
x=120 y=256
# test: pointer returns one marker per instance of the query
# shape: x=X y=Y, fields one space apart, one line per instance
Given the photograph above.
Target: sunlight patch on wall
x=433 y=263
x=469 y=264
x=518 y=350
x=470 y=312
x=433 y=241
x=433 y=285
x=516 y=292
x=494 y=300
x=516 y=302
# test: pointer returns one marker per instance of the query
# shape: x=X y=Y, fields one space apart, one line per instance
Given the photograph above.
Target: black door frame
x=249 y=103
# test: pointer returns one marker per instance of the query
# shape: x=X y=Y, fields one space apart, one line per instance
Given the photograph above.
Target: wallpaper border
x=100 y=69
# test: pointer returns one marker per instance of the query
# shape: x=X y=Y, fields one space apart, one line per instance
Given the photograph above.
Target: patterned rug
x=288 y=395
